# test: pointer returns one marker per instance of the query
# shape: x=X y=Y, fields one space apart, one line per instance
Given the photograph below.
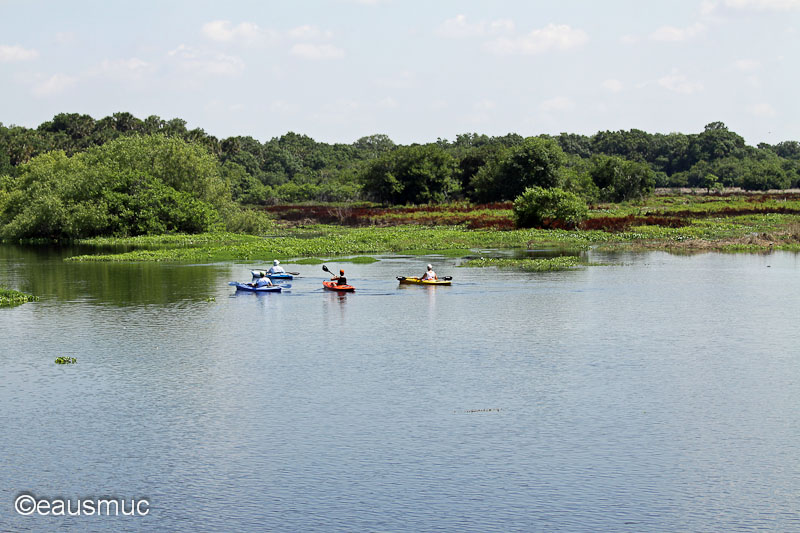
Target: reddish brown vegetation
x=477 y=217
x=732 y=212
x=615 y=224
x=366 y=216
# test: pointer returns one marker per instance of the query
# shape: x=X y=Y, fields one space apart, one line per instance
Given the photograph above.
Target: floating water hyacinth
x=12 y=297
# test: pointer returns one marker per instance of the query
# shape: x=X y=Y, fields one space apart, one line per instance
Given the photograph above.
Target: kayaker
x=276 y=269
x=340 y=279
x=429 y=274
x=263 y=281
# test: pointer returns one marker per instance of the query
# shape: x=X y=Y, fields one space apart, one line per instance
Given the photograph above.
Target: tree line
x=121 y=175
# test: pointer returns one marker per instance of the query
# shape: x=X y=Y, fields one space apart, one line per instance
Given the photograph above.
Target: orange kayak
x=333 y=286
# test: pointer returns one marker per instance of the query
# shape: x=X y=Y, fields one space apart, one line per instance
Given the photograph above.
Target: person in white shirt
x=276 y=269
x=429 y=274
x=263 y=281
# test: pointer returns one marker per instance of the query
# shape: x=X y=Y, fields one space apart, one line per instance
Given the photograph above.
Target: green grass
x=332 y=241
x=10 y=297
x=360 y=260
x=552 y=264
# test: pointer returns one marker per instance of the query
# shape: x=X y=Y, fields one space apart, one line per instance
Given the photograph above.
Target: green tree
x=533 y=163
x=131 y=186
x=765 y=174
x=620 y=180
x=374 y=146
x=412 y=175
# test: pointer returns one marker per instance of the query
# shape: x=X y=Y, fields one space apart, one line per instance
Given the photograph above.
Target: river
x=655 y=393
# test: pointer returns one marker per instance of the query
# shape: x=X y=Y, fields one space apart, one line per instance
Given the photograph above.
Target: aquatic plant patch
x=550 y=264
x=9 y=297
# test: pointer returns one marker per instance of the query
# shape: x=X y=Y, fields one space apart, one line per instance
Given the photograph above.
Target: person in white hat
x=429 y=274
x=276 y=268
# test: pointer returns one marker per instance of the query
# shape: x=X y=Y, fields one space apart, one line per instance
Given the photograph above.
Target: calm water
x=659 y=393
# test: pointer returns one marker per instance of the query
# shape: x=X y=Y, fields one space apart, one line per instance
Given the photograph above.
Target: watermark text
x=27 y=504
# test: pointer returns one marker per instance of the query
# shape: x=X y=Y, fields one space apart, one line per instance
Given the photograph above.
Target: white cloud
x=133 y=68
x=246 y=33
x=762 y=110
x=458 y=27
x=16 y=53
x=707 y=7
x=559 y=103
x=764 y=5
x=316 y=51
x=387 y=103
x=66 y=37
x=55 y=84
x=747 y=65
x=551 y=37
x=308 y=32
x=281 y=106
x=612 y=85
x=401 y=80
x=673 y=34
x=679 y=83
x=205 y=62
x=485 y=105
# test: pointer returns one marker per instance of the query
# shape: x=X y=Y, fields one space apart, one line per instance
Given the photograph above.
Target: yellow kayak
x=418 y=281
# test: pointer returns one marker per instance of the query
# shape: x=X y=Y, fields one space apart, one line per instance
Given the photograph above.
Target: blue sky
x=337 y=70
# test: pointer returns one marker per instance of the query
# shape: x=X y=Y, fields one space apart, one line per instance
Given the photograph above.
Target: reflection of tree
x=42 y=272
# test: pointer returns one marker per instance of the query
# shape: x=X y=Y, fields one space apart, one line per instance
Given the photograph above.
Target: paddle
x=328 y=271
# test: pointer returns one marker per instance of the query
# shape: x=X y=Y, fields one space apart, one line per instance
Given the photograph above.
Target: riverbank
x=723 y=223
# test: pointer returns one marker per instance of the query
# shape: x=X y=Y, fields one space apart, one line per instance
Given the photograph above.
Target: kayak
x=333 y=286
x=257 y=274
x=250 y=288
x=418 y=281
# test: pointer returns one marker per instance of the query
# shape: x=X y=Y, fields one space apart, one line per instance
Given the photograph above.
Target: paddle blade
x=231 y=283
x=400 y=278
x=294 y=273
x=447 y=278
x=286 y=286
x=325 y=269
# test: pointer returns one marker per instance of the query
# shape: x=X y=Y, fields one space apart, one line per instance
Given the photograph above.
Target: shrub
x=538 y=207
x=250 y=221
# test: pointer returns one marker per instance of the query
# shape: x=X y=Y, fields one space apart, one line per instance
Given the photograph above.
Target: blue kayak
x=264 y=288
x=257 y=274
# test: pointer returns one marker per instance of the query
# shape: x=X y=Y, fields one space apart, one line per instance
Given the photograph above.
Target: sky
x=338 y=70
